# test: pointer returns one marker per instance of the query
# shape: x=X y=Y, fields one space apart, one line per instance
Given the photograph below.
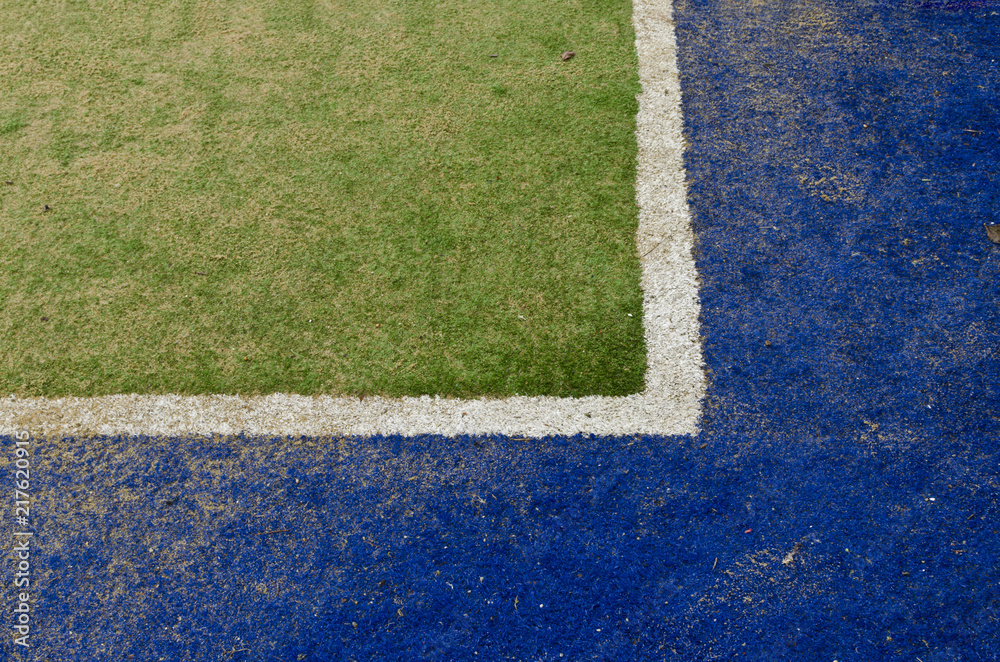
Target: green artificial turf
x=352 y=197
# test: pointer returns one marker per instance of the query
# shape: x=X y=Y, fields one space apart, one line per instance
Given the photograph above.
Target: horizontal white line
x=675 y=381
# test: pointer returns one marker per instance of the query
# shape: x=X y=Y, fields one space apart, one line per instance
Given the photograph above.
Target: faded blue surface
x=841 y=503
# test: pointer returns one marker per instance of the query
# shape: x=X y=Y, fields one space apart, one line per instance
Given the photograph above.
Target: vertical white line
x=665 y=239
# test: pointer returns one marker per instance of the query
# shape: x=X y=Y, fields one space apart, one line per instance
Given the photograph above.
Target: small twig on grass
x=653 y=248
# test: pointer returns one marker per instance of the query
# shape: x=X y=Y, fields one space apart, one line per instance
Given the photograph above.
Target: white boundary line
x=675 y=381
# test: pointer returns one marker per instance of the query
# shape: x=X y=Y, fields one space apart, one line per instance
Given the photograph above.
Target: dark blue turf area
x=840 y=504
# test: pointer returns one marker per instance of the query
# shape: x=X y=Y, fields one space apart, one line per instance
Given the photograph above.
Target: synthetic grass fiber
x=343 y=198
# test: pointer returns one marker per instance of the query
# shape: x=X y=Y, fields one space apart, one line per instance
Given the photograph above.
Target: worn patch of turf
x=319 y=197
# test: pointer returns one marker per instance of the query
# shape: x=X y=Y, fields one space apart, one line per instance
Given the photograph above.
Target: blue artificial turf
x=840 y=504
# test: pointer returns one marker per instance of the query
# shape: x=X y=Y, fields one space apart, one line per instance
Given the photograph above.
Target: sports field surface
x=343 y=198
x=300 y=247
x=828 y=490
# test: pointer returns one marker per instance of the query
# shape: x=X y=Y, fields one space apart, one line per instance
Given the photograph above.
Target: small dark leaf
x=993 y=232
